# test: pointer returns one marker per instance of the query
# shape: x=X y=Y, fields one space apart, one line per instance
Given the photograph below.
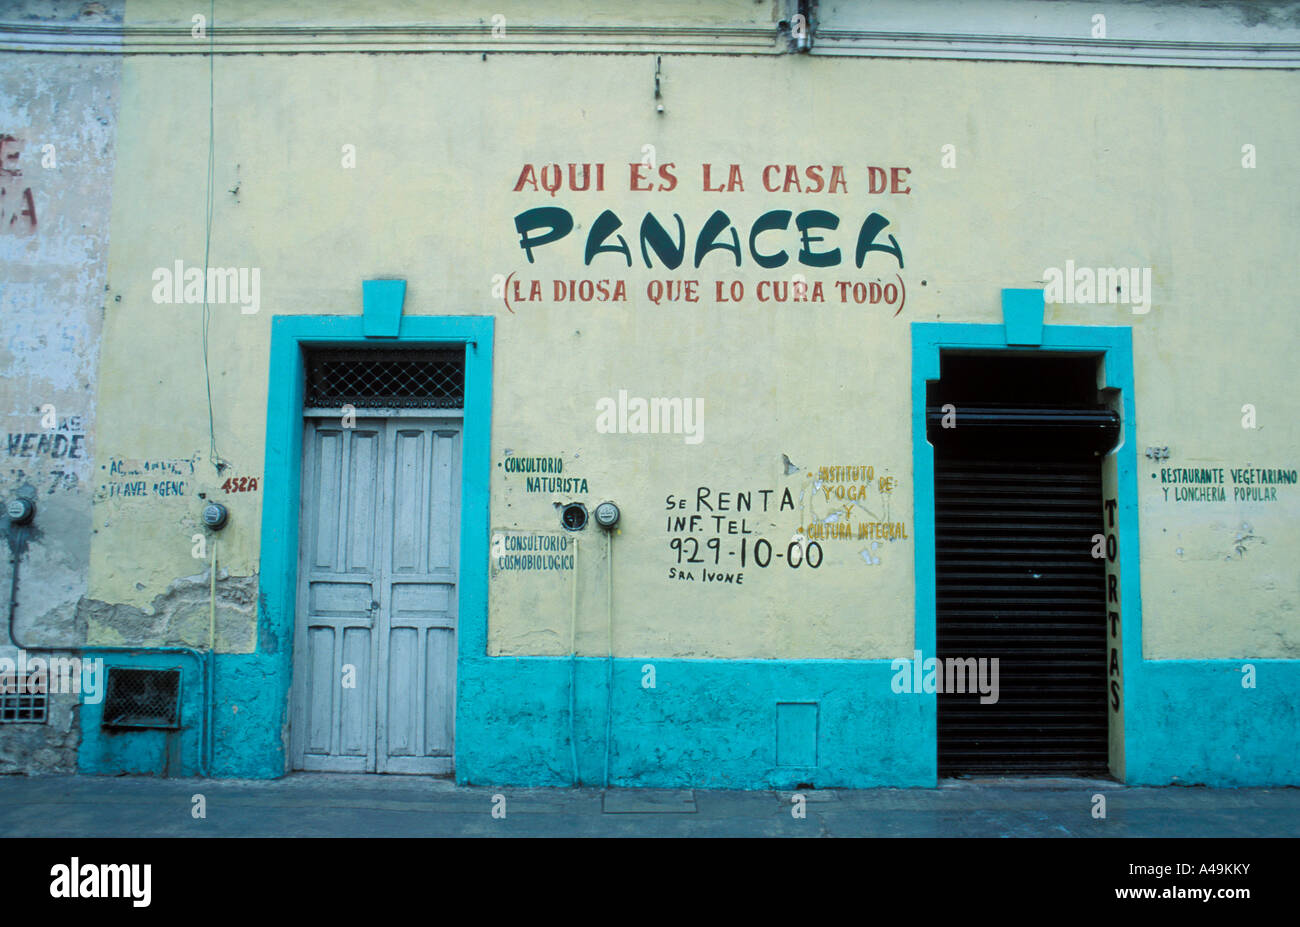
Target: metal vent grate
x=418 y=379
x=23 y=699
x=142 y=698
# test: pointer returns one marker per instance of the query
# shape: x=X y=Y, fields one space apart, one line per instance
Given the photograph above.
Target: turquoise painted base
x=706 y=724
x=712 y=724
x=1193 y=724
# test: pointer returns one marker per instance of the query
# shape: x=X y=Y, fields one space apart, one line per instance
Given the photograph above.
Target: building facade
x=936 y=359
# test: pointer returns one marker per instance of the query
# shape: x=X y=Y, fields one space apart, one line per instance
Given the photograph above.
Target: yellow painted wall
x=1104 y=166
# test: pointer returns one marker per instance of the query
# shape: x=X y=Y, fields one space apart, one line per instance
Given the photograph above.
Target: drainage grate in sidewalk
x=648 y=801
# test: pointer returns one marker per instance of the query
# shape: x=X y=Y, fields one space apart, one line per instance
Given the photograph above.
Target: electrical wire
x=212 y=601
x=573 y=666
x=212 y=657
x=609 y=676
x=207 y=238
x=215 y=456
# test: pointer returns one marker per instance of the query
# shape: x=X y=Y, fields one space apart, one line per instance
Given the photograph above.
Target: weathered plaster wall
x=1052 y=175
x=58 y=121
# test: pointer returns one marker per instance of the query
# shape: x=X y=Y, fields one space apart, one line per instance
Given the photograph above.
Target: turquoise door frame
x=1116 y=347
x=1186 y=721
x=261 y=743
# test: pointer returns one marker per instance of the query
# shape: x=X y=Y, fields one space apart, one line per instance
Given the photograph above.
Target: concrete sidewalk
x=338 y=805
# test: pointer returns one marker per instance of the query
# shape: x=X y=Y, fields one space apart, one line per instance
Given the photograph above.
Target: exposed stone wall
x=58 y=118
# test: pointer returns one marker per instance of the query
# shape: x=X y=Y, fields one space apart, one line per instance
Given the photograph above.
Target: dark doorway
x=1018 y=444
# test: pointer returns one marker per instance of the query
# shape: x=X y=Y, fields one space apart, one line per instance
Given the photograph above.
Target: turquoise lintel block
x=381 y=302
x=1022 y=314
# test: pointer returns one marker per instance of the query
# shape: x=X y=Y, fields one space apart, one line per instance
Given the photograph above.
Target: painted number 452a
x=240 y=484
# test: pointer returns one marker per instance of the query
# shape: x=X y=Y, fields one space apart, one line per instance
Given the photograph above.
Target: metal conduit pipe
x=573 y=665
x=18 y=537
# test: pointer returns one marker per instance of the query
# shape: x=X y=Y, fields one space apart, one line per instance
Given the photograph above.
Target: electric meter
x=20 y=511
x=607 y=514
x=215 y=515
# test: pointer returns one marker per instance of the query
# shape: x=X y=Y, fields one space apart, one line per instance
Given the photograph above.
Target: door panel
x=355 y=727
x=363 y=504
x=377 y=597
x=420 y=600
x=342 y=496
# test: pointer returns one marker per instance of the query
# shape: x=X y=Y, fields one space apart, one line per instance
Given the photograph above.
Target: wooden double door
x=375 y=637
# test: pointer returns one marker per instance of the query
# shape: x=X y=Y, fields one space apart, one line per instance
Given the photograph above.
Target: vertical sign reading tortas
x=1113 y=671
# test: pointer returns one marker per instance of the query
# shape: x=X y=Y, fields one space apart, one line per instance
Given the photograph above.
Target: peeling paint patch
x=180 y=616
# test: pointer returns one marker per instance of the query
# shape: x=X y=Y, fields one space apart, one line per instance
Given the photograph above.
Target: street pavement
x=346 y=805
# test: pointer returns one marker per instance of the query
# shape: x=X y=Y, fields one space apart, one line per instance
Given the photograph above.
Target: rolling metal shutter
x=1017 y=501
